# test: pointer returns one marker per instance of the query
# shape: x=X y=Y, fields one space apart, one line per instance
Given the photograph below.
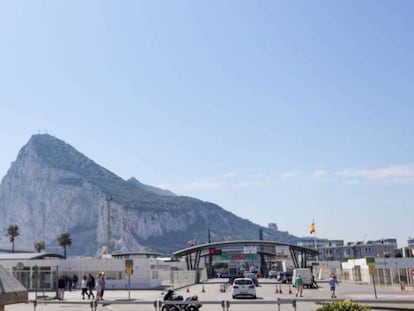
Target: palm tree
x=64 y=240
x=12 y=233
x=39 y=246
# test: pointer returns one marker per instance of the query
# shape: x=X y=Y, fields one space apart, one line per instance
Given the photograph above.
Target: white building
x=387 y=271
x=148 y=271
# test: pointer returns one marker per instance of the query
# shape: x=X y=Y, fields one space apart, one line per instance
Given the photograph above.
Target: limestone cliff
x=51 y=188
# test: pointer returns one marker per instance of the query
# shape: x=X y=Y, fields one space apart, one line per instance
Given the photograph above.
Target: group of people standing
x=88 y=285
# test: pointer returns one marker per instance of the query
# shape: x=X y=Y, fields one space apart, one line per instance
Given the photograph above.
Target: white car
x=243 y=287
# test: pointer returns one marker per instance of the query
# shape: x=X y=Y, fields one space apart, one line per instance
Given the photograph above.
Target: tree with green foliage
x=343 y=306
x=64 y=240
x=39 y=246
x=12 y=233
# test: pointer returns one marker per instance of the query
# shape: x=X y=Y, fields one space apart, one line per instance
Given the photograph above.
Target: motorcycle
x=189 y=304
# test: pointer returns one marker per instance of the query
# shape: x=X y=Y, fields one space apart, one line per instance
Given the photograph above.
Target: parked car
x=253 y=277
x=272 y=274
x=253 y=269
x=243 y=287
x=224 y=274
x=284 y=277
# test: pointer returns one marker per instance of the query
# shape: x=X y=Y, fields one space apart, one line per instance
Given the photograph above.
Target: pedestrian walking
x=103 y=284
x=84 y=287
x=91 y=286
x=61 y=287
x=314 y=284
x=74 y=281
x=332 y=284
x=99 y=286
x=299 y=285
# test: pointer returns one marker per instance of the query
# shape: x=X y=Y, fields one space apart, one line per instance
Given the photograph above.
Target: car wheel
x=234 y=297
x=254 y=297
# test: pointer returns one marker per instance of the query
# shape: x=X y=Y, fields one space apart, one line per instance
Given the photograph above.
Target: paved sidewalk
x=211 y=292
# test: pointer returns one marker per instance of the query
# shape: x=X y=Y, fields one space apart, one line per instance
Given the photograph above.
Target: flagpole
x=313 y=231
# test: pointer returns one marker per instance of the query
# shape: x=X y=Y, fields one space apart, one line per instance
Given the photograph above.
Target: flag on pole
x=312 y=228
x=191 y=242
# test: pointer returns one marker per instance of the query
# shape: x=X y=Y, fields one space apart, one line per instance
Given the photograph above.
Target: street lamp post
x=383 y=258
x=398 y=272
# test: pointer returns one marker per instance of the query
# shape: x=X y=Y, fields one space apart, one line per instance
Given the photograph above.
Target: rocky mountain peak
x=52 y=187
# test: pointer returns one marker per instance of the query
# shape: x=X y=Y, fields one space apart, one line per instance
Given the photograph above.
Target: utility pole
x=108 y=200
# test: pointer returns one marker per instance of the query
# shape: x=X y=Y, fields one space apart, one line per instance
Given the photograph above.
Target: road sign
x=370 y=261
x=129 y=271
x=371 y=265
x=129 y=265
x=250 y=250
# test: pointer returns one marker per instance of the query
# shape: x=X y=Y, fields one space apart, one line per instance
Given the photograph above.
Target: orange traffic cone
x=203 y=290
x=290 y=289
x=280 y=289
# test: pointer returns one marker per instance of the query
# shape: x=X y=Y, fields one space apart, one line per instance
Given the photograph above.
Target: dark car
x=253 y=277
x=284 y=277
x=272 y=274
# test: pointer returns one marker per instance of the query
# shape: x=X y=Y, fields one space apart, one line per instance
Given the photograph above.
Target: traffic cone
x=188 y=290
x=290 y=289
x=280 y=289
x=277 y=290
x=203 y=290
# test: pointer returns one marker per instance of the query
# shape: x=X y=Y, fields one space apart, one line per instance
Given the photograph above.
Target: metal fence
x=226 y=305
x=389 y=276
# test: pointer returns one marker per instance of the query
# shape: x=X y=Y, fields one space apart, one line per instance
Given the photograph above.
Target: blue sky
x=278 y=111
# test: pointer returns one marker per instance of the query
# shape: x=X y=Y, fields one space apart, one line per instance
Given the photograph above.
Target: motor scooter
x=189 y=304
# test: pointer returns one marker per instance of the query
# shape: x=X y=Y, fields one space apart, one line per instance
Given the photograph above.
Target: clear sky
x=278 y=111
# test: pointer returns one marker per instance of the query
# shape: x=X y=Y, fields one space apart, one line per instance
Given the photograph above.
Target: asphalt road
x=211 y=296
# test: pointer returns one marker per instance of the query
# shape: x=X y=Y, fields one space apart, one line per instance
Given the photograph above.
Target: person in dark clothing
x=103 y=283
x=91 y=285
x=74 y=281
x=61 y=287
x=314 y=284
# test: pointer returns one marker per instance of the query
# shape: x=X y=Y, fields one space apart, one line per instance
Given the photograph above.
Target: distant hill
x=52 y=187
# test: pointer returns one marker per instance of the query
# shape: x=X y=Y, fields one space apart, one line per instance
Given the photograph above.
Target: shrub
x=343 y=306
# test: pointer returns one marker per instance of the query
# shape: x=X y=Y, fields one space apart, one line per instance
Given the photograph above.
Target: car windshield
x=243 y=282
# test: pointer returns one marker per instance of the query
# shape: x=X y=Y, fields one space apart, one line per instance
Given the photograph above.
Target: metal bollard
x=95 y=304
x=278 y=304
x=225 y=304
x=294 y=304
